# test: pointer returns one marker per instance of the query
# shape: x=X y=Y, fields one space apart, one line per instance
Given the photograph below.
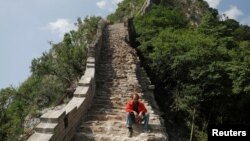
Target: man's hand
x=140 y=115
x=136 y=115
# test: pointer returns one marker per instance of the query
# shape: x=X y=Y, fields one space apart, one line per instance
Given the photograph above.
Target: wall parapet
x=146 y=6
x=60 y=125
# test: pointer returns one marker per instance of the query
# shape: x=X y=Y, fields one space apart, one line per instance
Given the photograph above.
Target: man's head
x=135 y=97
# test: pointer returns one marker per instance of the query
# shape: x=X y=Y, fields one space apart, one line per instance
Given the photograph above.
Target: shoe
x=130 y=132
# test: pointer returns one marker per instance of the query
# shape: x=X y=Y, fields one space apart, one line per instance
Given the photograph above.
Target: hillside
x=198 y=63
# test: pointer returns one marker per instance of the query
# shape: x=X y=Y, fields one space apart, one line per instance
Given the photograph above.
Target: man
x=136 y=112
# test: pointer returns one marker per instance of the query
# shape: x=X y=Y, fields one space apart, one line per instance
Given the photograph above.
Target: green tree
x=201 y=73
x=12 y=114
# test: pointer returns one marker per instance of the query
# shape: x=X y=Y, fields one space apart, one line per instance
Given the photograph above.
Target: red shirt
x=130 y=105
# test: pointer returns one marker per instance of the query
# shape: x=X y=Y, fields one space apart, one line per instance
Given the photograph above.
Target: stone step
x=101 y=123
x=106 y=106
x=119 y=127
x=110 y=110
x=112 y=96
x=119 y=112
x=92 y=129
x=103 y=129
x=106 y=117
x=115 y=101
x=114 y=88
x=111 y=100
x=118 y=137
x=109 y=105
x=102 y=112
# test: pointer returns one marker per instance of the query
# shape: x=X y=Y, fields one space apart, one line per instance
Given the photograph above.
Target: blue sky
x=27 y=26
x=234 y=9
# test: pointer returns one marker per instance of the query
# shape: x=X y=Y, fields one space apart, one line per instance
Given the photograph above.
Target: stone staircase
x=118 y=74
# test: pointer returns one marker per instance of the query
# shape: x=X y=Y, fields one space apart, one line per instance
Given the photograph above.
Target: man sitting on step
x=136 y=113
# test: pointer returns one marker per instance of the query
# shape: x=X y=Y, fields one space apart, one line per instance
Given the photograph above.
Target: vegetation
x=54 y=76
x=201 y=71
x=126 y=9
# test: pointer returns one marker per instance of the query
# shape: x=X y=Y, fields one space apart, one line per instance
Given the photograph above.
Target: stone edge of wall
x=145 y=7
x=60 y=125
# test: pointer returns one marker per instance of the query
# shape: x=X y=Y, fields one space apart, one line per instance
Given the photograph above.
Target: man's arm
x=142 y=109
x=129 y=107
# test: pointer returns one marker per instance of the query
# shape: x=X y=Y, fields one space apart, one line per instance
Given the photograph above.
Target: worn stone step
x=106 y=117
x=110 y=110
x=101 y=123
x=112 y=96
x=108 y=129
x=104 y=112
x=107 y=137
x=115 y=100
x=100 y=137
x=119 y=127
x=115 y=89
x=110 y=101
x=92 y=129
x=108 y=106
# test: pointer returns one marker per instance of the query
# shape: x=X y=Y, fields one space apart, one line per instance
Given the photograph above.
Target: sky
x=26 y=27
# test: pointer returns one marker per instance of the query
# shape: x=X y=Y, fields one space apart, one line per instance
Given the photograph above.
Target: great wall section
x=97 y=110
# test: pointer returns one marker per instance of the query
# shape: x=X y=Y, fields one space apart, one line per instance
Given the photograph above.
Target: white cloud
x=233 y=12
x=102 y=4
x=213 y=3
x=61 y=26
x=109 y=5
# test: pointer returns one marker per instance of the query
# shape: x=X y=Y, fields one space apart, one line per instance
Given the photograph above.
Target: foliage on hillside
x=54 y=75
x=203 y=69
x=126 y=9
